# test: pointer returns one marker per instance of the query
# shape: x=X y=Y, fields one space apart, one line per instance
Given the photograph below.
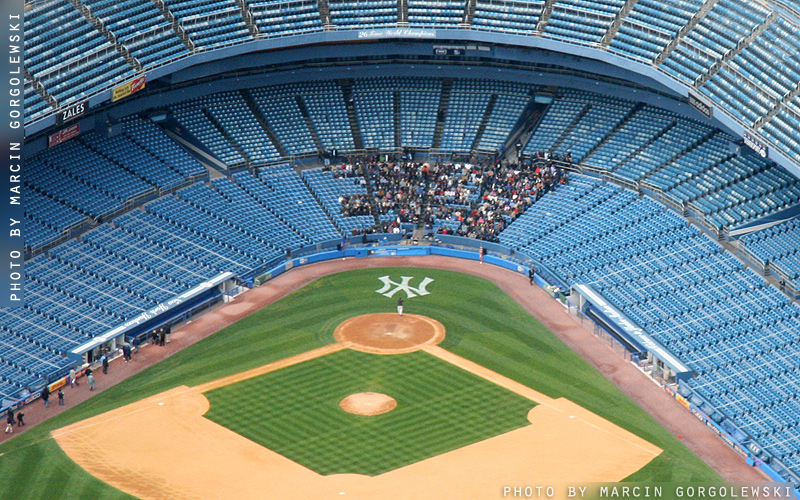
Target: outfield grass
x=483 y=324
x=294 y=411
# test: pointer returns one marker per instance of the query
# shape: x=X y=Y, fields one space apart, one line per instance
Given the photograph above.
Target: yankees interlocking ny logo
x=388 y=291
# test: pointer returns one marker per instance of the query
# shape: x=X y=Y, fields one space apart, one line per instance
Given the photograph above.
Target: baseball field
x=329 y=393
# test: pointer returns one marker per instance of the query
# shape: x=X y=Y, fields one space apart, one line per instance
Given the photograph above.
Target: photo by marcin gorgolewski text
x=12 y=244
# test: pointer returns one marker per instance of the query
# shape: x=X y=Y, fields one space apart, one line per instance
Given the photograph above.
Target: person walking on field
x=104 y=360
x=60 y=397
x=400 y=306
x=90 y=381
x=10 y=422
x=20 y=421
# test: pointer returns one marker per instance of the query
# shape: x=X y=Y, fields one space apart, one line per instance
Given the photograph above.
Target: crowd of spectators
x=507 y=190
x=476 y=200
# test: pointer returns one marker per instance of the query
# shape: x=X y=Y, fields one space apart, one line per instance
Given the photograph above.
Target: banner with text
x=128 y=88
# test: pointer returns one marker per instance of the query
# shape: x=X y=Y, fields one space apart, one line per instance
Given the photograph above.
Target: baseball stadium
x=404 y=249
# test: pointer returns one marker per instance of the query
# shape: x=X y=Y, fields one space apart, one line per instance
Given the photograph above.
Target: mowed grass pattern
x=295 y=411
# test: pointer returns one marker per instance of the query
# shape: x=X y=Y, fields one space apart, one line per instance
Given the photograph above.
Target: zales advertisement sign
x=72 y=112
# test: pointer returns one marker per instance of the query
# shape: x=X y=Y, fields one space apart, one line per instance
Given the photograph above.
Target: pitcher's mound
x=368 y=403
x=389 y=333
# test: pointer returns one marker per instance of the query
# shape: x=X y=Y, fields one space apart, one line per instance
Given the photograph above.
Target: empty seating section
x=737 y=94
x=325 y=105
x=127 y=18
x=559 y=116
x=719 y=31
x=23 y=363
x=436 y=13
x=34 y=103
x=80 y=162
x=38 y=234
x=770 y=61
x=140 y=27
x=158 y=45
x=419 y=101
x=582 y=21
x=163 y=261
x=694 y=167
x=206 y=210
x=762 y=189
x=353 y=14
x=599 y=118
x=67 y=54
x=77 y=283
x=152 y=139
x=784 y=129
x=327 y=190
x=637 y=132
x=131 y=275
x=46 y=220
x=73 y=59
x=651 y=25
x=508 y=106
x=210 y=23
x=204 y=248
x=507 y=15
x=196 y=120
x=467 y=106
x=734 y=190
x=281 y=17
x=692 y=164
x=279 y=108
x=248 y=214
x=126 y=153
x=44 y=177
x=682 y=288
x=281 y=190
x=659 y=152
x=373 y=100
x=230 y=112
x=68 y=310
x=775 y=248
x=197 y=220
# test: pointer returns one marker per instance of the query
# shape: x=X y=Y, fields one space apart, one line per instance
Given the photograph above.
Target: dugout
x=174 y=310
x=637 y=341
